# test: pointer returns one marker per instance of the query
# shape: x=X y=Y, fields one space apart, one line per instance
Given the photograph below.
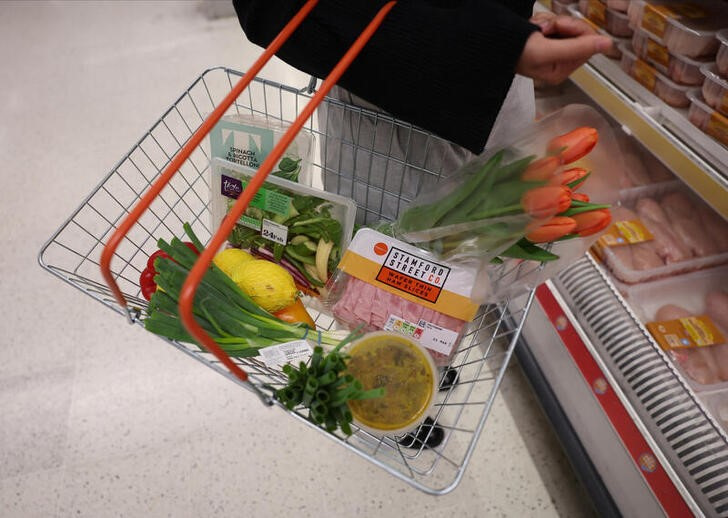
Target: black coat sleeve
x=445 y=66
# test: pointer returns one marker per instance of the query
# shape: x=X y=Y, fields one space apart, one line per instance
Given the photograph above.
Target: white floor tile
x=33 y=420
x=32 y=495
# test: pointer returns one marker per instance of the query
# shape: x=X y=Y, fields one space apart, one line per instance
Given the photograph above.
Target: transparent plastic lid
x=698 y=17
x=722 y=35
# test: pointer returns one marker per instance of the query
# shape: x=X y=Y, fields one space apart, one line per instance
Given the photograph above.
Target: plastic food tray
x=561 y=6
x=687 y=291
x=613 y=21
x=618 y=5
x=648 y=76
x=706 y=118
x=717 y=404
x=617 y=42
x=627 y=275
x=721 y=59
x=715 y=89
x=687 y=28
x=681 y=69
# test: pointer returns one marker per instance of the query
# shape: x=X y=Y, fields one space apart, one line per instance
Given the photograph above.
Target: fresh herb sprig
x=323 y=387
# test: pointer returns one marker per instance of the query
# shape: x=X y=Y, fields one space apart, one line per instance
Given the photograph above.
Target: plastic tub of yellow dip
x=406 y=372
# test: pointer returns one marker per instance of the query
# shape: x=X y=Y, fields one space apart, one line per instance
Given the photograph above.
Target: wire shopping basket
x=163 y=182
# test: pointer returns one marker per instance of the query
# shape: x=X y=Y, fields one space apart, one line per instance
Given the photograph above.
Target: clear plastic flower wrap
x=542 y=198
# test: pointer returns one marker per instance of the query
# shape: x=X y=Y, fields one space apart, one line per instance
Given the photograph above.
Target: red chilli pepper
x=147 y=284
x=146 y=279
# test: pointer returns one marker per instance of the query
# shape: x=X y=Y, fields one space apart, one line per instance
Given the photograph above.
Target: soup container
x=408 y=375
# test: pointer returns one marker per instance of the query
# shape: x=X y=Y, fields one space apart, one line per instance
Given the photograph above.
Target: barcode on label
x=289 y=352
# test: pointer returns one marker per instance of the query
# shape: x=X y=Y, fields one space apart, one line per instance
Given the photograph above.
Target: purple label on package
x=230 y=187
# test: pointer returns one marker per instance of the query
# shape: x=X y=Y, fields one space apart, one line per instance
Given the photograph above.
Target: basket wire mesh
x=73 y=251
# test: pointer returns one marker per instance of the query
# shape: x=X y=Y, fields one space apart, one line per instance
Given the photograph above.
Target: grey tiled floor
x=98 y=418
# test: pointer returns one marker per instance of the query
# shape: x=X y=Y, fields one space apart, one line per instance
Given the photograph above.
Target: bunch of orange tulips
x=559 y=211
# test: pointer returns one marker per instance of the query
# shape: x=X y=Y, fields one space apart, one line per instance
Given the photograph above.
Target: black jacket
x=445 y=66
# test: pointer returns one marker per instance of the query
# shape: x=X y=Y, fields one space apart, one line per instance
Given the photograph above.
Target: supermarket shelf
x=700 y=161
x=684 y=439
x=530 y=359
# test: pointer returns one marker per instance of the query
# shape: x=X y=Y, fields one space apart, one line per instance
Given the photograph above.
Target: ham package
x=385 y=284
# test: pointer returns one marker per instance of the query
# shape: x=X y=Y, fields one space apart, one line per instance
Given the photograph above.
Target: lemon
x=268 y=284
x=231 y=259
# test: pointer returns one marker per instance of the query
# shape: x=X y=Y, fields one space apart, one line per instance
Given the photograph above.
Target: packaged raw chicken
x=681 y=69
x=618 y=5
x=385 y=284
x=665 y=242
x=660 y=231
x=687 y=316
x=687 y=28
x=615 y=51
x=718 y=226
x=685 y=222
x=561 y=6
x=614 y=21
x=648 y=76
x=708 y=120
x=721 y=59
x=715 y=89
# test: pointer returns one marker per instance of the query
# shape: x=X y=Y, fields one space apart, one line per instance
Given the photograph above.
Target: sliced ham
x=362 y=303
x=717 y=226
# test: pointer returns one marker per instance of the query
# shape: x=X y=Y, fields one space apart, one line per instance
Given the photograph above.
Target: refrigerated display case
x=646 y=439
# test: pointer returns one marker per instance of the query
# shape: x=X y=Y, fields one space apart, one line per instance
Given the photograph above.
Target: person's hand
x=562 y=46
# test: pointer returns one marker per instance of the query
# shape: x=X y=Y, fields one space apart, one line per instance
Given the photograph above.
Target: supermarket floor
x=98 y=418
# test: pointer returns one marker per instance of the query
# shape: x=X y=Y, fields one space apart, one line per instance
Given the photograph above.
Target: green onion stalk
x=234 y=321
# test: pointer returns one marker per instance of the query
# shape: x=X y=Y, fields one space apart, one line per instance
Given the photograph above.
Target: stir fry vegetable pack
x=303 y=229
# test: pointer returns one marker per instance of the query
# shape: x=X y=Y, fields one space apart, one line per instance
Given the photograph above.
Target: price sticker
x=273 y=231
x=289 y=352
x=437 y=338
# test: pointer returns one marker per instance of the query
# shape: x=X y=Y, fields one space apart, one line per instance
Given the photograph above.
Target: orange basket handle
x=189 y=288
x=143 y=204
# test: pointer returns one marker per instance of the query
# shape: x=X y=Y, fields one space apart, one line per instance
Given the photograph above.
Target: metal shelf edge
x=690 y=155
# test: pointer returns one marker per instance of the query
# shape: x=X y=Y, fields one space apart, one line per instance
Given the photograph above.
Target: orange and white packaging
x=385 y=284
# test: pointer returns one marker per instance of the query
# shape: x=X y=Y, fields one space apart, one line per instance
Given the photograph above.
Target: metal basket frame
x=72 y=254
